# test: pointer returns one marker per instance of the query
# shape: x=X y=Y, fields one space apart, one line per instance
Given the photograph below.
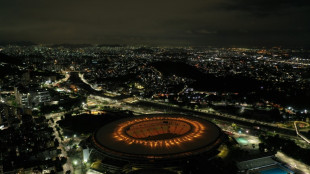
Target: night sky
x=160 y=22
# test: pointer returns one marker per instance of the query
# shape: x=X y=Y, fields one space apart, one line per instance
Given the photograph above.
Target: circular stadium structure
x=150 y=140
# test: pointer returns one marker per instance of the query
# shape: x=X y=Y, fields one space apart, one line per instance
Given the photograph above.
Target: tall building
x=29 y=97
x=22 y=97
x=26 y=78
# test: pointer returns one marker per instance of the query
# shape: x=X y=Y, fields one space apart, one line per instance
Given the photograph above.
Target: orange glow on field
x=157 y=132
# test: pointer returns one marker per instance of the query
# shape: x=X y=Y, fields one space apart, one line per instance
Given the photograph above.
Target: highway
x=249 y=123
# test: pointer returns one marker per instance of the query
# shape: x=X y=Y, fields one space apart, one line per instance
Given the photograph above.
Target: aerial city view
x=155 y=87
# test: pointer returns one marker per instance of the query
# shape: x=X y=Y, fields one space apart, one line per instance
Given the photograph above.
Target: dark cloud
x=161 y=22
x=266 y=7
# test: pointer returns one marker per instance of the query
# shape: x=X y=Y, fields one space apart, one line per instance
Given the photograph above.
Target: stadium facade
x=163 y=142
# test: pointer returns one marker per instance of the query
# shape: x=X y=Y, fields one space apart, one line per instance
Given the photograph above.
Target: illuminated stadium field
x=157 y=137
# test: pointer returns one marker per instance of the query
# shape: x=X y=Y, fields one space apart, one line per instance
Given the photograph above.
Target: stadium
x=154 y=141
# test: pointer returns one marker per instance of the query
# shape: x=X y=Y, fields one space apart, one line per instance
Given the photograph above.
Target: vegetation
x=88 y=123
x=289 y=147
x=68 y=105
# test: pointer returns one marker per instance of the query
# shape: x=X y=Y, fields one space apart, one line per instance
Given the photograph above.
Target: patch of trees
x=289 y=147
x=68 y=104
x=261 y=115
x=88 y=123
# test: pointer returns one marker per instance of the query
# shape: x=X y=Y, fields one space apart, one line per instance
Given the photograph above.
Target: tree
x=261 y=147
x=68 y=116
x=275 y=114
x=56 y=143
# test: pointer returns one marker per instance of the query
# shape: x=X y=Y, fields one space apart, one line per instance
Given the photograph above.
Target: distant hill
x=18 y=43
x=206 y=81
x=71 y=45
x=144 y=50
x=9 y=59
x=110 y=45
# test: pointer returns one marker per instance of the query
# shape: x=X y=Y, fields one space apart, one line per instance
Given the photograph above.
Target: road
x=293 y=164
x=67 y=76
x=68 y=165
x=85 y=81
x=299 y=134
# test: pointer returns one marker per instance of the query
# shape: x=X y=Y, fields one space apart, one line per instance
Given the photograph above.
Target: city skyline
x=167 y=87
x=160 y=23
x=98 y=109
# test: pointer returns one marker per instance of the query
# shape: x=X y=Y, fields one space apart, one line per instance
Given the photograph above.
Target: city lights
x=199 y=87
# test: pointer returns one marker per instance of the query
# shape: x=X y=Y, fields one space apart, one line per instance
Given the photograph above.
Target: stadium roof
x=157 y=136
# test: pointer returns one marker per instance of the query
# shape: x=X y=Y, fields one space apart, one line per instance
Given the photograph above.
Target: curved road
x=297 y=131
